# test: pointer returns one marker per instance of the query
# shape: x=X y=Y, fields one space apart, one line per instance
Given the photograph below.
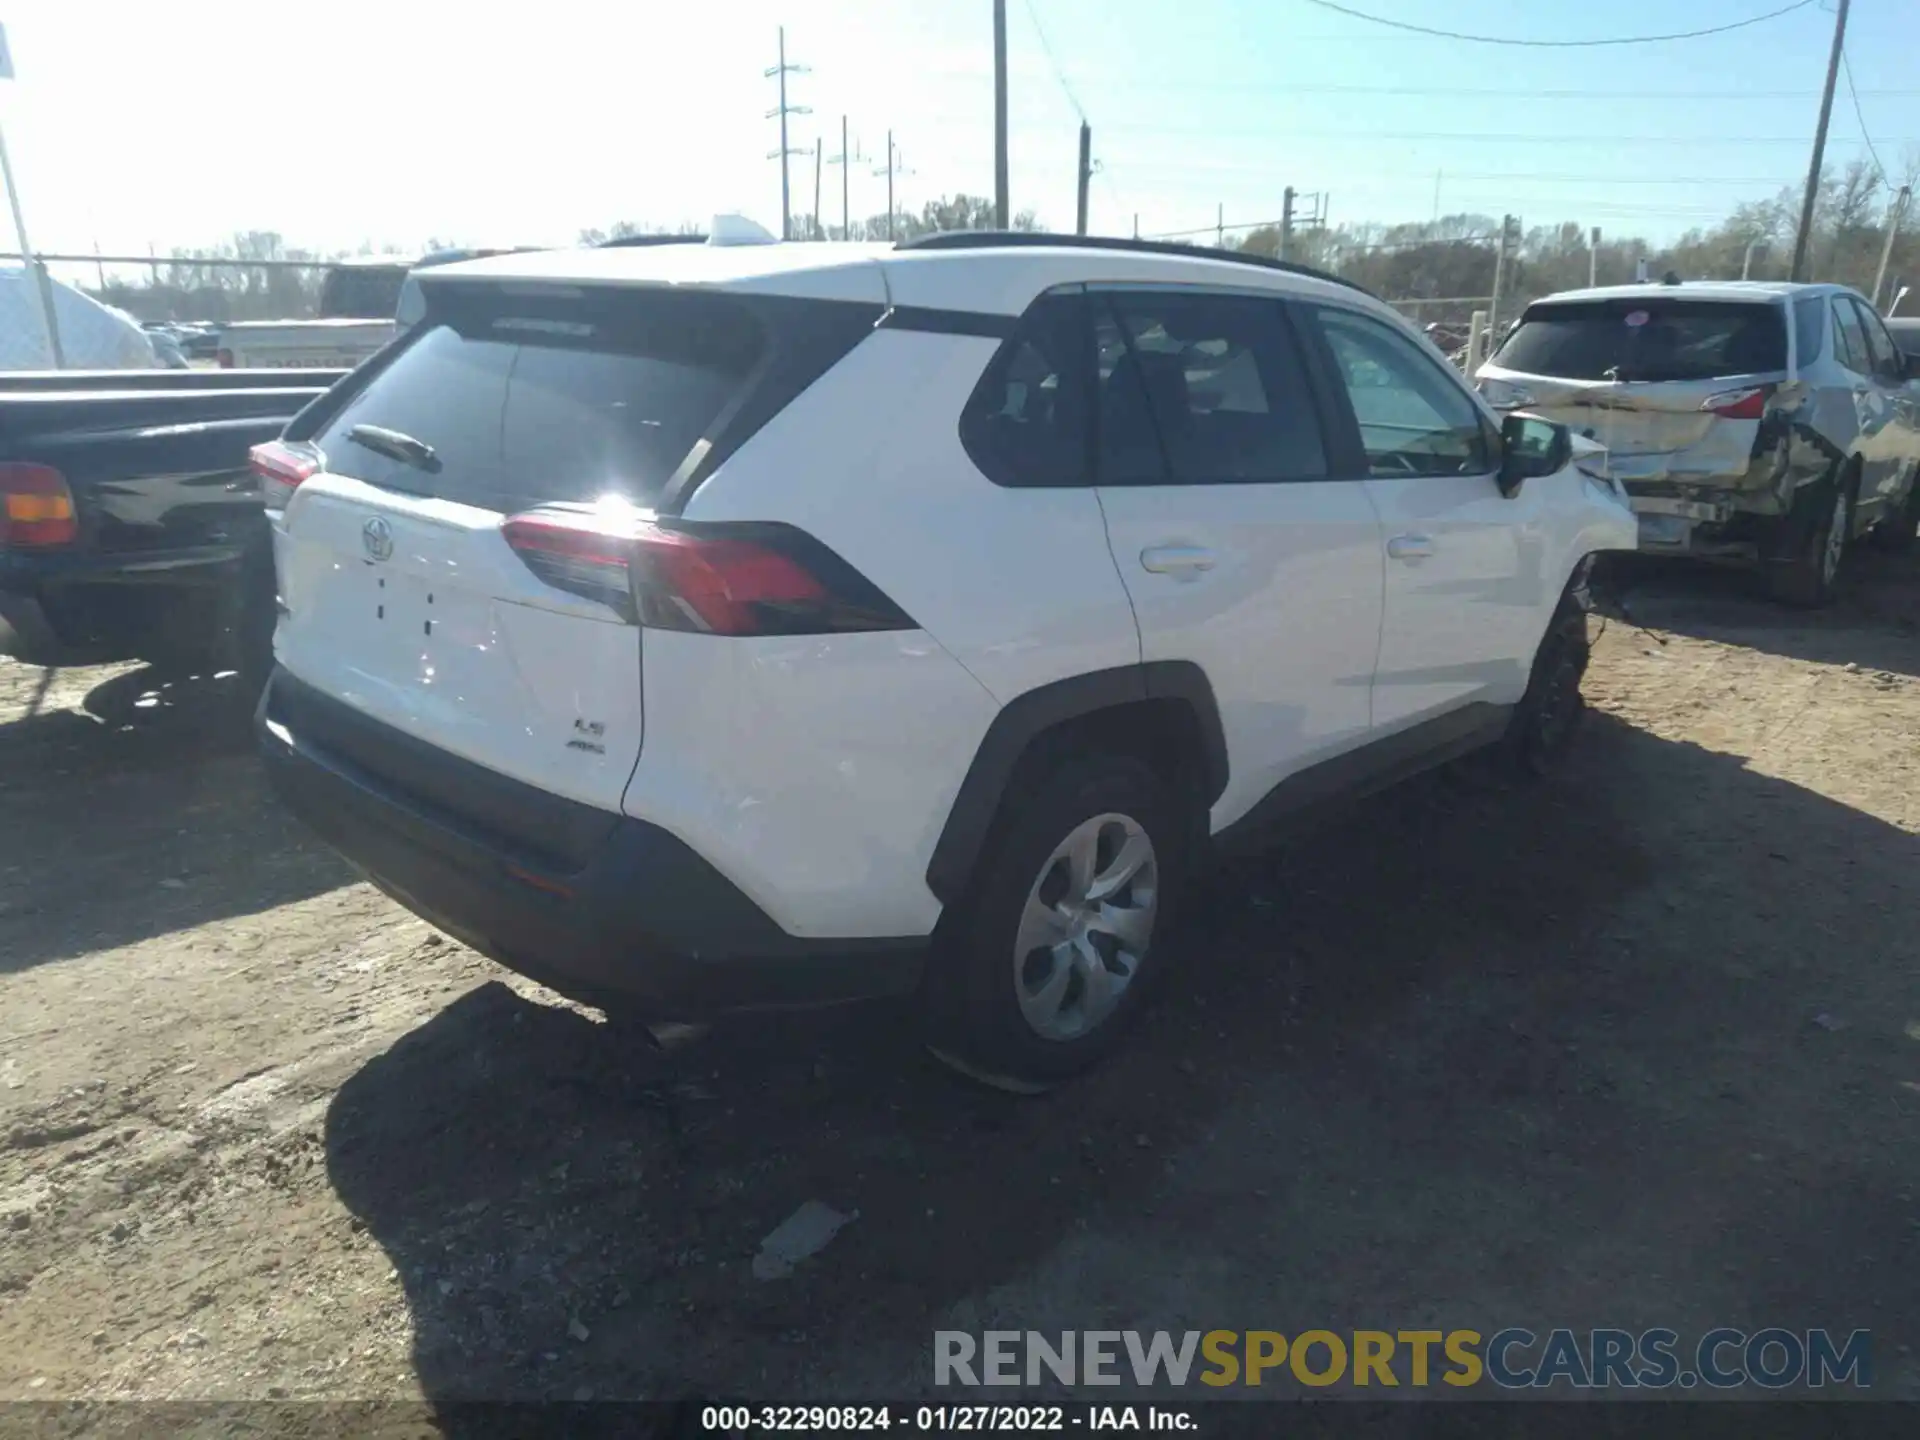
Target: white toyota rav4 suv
x=705 y=627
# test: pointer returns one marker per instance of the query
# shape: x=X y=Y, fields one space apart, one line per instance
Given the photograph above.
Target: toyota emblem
x=377 y=536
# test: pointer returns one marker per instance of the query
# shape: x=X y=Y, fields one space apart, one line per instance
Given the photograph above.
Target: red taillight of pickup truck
x=36 y=507
x=223 y=358
x=280 y=468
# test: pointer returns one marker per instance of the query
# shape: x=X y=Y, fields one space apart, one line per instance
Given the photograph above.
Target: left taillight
x=281 y=467
x=36 y=506
x=714 y=578
x=1747 y=404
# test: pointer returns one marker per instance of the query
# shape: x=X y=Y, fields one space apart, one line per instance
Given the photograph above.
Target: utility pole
x=1086 y=175
x=781 y=71
x=1499 y=278
x=845 y=161
x=1804 y=237
x=36 y=268
x=1000 y=210
x=1220 y=226
x=1593 y=258
x=817 y=148
x=1286 y=223
x=889 y=184
x=1136 y=224
x=1895 y=214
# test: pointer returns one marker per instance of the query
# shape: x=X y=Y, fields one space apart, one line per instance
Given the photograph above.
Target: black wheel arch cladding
x=1026 y=719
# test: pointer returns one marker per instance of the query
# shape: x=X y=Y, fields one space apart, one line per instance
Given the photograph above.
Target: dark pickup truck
x=130 y=525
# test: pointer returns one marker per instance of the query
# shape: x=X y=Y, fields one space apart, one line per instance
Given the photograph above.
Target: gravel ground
x=1636 y=1046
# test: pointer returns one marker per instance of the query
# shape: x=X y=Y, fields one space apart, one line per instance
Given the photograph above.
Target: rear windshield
x=568 y=396
x=361 y=292
x=1646 y=339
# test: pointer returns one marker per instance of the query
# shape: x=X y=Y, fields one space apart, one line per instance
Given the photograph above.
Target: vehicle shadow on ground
x=1463 y=1002
x=142 y=813
x=1872 y=623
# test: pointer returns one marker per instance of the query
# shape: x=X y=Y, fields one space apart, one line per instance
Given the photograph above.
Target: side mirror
x=1530 y=447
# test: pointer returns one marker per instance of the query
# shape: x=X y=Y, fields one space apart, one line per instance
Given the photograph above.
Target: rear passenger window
x=1809 y=327
x=1026 y=424
x=1201 y=390
x=1415 y=419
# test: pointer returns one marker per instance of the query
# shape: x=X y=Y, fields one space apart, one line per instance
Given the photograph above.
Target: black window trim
x=1348 y=422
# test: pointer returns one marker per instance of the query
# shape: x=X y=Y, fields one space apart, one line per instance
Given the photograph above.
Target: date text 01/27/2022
x=969 y=1419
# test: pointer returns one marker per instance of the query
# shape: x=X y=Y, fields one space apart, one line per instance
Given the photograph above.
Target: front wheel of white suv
x=1548 y=715
x=1064 y=930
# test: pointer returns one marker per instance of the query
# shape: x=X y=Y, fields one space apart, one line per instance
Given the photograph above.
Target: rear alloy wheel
x=1085 y=929
x=1052 y=954
x=1807 y=571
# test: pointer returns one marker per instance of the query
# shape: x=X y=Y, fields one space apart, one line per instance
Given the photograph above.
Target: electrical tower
x=786 y=151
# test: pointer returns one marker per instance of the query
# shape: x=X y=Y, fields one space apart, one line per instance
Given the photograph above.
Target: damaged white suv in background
x=1759 y=423
x=710 y=626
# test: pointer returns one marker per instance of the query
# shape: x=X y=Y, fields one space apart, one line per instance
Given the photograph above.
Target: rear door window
x=531 y=400
x=1646 y=339
x=1880 y=350
x=1202 y=390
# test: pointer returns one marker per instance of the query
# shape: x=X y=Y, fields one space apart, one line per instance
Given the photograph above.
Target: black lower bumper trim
x=645 y=925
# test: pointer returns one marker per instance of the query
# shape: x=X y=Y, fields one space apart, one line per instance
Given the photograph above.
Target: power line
x=1058 y=74
x=1276 y=132
x=1846 y=68
x=1557 y=44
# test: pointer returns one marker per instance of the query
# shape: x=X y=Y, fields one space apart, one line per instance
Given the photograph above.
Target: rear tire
x=1805 y=569
x=1051 y=955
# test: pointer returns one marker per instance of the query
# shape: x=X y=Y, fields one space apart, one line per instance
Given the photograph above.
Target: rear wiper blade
x=396 y=446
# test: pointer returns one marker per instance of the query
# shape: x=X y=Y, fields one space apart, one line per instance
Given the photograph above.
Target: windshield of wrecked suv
x=1646 y=339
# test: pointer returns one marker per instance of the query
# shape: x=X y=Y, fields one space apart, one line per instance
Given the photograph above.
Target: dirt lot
x=1634 y=1047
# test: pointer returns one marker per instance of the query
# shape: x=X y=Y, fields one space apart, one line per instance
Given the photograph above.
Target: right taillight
x=36 y=507
x=713 y=578
x=281 y=467
x=1747 y=404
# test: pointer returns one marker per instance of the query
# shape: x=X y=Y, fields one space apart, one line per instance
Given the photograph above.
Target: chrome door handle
x=1176 y=559
x=1410 y=547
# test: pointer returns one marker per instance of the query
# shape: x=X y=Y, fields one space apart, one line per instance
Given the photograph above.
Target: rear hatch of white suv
x=441 y=542
x=1675 y=386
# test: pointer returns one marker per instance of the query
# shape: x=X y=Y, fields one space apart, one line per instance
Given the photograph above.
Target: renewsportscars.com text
x=1722 y=1359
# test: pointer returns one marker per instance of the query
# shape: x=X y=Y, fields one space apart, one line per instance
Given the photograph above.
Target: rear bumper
x=644 y=924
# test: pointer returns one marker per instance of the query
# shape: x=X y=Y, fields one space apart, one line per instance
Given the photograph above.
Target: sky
x=133 y=124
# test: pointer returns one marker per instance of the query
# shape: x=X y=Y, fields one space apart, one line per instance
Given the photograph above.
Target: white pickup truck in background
x=358 y=303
